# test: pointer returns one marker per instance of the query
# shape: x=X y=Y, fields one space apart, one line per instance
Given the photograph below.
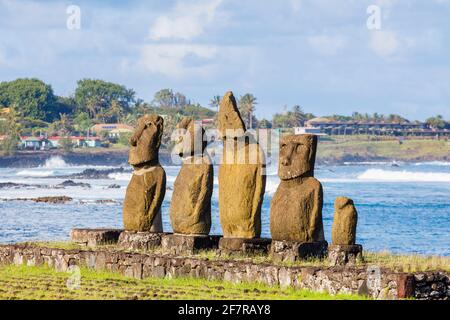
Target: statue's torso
x=292 y=209
x=190 y=208
x=241 y=188
x=142 y=192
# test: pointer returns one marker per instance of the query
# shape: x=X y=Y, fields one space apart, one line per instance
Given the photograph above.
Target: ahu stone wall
x=371 y=281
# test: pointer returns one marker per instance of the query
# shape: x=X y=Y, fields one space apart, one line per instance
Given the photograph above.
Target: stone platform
x=230 y=246
x=95 y=237
x=295 y=251
x=339 y=255
x=134 y=240
x=188 y=244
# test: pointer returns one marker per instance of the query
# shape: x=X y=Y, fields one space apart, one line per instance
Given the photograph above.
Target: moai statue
x=344 y=223
x=190 y=208
x=146 y=190
x=296 y=207
x=242 y=178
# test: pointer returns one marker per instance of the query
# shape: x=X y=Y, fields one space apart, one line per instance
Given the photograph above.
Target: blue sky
x=317 y=53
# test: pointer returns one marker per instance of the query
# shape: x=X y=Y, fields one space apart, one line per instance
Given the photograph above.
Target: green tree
x=247 y=105
x=31 y=98
x=298 y=116
x=66 y=144
x=264 y=124
x=96 y=97
x=437 y=122
x=215 y=102
x=82 y=122
x=11 y=130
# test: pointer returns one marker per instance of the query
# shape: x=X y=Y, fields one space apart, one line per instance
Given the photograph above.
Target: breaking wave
x=55 y=162
x=37 y=174
x=404 y=176
x=122 y=176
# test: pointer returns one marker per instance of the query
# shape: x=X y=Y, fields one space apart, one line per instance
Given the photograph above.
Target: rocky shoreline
x=29 y=159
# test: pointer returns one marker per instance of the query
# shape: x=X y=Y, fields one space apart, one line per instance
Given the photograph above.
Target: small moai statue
x=344 y=223
x=242 y=177
x=344 y=250
x=190 y=208
x=296 y=207
x=147 y=187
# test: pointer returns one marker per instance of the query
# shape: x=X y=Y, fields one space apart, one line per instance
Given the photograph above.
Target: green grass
x=408 y=263
x=364 y=146
x=43 y=283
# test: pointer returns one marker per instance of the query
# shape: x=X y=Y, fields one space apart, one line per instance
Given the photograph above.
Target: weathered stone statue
x=190 y=208
x=242 y=178
x=344 y=223
x=146 y=190
x=296 y=208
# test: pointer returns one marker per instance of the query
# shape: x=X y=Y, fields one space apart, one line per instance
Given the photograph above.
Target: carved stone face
x=190 y=139
x=297 y=156
x=230 y=121
x=146 y=140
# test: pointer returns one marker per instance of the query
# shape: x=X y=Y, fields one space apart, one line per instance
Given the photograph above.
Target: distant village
x=102 y=114
x=102 y=135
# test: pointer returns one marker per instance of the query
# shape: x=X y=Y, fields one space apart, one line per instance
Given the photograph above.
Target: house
x=110 y=127
x=34 y=143
x=92 y=142
x=309 y=130
x=116 y=133
x=77 y=142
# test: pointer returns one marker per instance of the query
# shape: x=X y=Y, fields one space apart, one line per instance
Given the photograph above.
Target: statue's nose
x=285 y=161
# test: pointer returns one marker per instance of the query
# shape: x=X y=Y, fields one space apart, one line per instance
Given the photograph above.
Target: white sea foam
x=123 y=176
x=35 y=173
x=404 y=176
x=55 y=162
x=433 y=163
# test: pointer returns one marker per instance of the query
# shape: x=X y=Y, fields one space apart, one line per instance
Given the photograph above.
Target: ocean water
x=402 y=209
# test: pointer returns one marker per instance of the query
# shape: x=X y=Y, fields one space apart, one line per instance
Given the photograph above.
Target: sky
x=330 y=57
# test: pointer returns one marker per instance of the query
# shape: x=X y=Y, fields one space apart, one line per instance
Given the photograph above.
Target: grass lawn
x=409 y=150
x=43 y=283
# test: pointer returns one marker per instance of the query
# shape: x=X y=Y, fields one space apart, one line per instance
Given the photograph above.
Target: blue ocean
x=402 y=208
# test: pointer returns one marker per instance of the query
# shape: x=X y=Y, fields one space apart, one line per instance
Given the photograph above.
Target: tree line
x=34 y=109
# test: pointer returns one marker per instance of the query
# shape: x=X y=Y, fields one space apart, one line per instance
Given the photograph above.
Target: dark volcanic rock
x=94 y=174
x=113 y=186
x=57 y=199
x=70 y=183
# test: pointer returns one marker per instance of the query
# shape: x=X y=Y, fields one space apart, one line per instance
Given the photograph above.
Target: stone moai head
x=297 y=156
x=146 y=140
x=230 y=122
x=190 y=140
x=342 y=202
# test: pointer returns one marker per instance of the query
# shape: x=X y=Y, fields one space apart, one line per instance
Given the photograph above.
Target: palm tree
x=298 y=116
x=247 y=104
x=215 y=102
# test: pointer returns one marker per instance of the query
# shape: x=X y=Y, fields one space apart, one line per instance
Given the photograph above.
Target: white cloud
x=327 y=45
x=384 y=43
x=168 y=59
x=186 y=21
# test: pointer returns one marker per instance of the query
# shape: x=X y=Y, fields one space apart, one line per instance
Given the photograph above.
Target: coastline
x=118 y=157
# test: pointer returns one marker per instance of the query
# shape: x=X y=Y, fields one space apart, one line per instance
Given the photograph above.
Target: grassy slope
x=410 y=150
x=43 y=283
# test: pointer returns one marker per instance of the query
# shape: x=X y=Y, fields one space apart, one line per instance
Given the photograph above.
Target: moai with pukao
x=147 y=187
x=242 y=178
x=296 y=207
x=190 y=208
